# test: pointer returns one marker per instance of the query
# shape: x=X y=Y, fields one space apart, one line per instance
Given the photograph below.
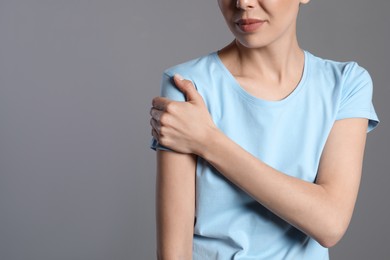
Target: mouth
x=248 y=21
x=249 y=25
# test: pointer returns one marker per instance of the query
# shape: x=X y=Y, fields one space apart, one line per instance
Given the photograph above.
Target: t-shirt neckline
x=233 y=83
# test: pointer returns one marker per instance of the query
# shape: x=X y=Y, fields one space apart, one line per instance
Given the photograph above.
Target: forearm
x=175 y=205
x=307 y=206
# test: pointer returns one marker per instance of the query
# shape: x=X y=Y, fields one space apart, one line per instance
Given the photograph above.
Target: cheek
x=284 y=17
x=281 y=9
x=228 y=16
x=223 y=6
x=227 y=8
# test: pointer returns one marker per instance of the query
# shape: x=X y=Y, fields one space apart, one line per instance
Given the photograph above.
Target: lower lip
x=249 y=27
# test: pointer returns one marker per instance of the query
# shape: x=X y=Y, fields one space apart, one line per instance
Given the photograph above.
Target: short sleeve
x=168 y=90
x=356 y=97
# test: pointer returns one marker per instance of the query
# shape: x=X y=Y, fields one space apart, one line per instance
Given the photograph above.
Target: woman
x=264 y=159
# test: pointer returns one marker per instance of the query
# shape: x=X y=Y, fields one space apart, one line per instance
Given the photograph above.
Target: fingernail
x=179 y=77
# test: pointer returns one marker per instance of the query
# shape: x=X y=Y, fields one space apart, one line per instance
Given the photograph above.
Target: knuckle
x=163 y=131
x=188 y=83
x=164 y=119
x=164 y=141
x=171 y=107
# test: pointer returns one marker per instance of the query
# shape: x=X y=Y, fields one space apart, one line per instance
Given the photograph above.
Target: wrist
x=211 y=140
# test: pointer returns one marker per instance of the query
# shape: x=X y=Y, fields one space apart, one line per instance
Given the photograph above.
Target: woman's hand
x=182 y=126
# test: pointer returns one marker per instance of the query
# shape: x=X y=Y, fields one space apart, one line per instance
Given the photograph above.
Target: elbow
x=329 y=241
x=331 y=234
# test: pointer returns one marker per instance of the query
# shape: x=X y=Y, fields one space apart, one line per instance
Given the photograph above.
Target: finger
x=155 y=124
x=155 y=134
x=187 y=87
x=156 y=114
x=160 y=103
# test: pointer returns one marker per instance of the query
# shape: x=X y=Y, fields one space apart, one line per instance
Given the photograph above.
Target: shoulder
x=340 y=71
x=196 y=70
x=193 y=69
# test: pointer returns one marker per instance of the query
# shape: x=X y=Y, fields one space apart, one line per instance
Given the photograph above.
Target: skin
x=268 y=63
x=175 y=204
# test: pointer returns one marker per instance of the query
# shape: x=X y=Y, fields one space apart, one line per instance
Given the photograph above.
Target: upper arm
x=341 y=162
x=175 y=202
x=340 y=166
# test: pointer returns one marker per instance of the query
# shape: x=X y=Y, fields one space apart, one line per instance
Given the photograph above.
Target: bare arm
x=175 y=204
x=323 y=209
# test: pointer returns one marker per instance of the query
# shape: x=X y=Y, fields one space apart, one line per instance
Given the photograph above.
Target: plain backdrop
x=77 y=77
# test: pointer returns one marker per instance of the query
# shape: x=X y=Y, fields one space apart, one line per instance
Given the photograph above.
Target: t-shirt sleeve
x=356 y=97
x=168 y=90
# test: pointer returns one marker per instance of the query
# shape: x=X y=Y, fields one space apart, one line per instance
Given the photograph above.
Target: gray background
x=76 y=81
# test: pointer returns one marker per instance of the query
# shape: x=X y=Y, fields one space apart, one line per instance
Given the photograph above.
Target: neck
x=276 y=62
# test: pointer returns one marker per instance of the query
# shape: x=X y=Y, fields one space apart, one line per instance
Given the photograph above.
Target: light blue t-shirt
x=288 y=135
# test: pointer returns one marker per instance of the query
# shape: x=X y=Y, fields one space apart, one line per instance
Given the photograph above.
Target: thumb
x=187 y=87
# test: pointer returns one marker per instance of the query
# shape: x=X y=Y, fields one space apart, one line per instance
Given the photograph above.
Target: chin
x=252 y=44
